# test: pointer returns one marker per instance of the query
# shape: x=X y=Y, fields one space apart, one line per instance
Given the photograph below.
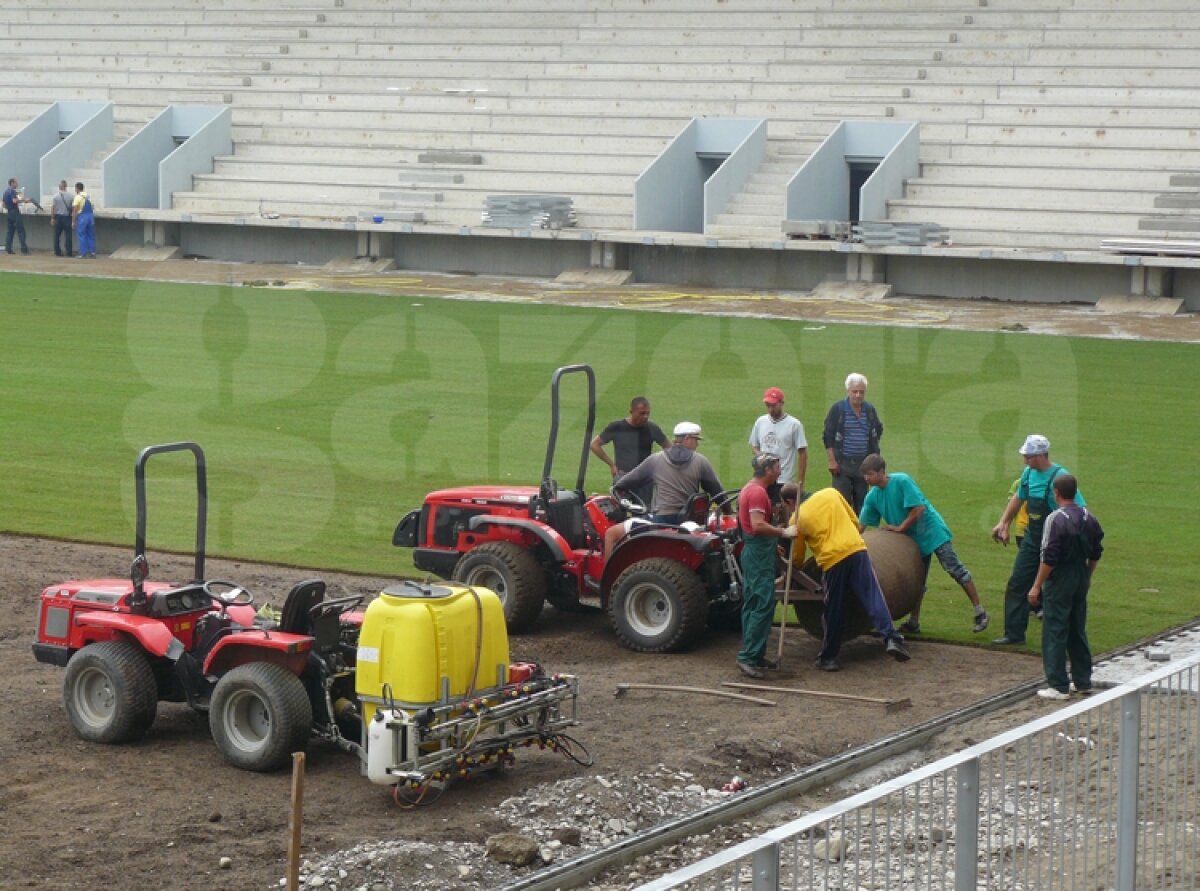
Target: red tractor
x=128 y=644
x=662 y=584
x=360 y=680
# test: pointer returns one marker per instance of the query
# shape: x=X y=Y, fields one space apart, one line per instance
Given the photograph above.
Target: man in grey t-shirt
x=780 y=434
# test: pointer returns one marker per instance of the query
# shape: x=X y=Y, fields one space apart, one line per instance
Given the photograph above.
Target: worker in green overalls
x=1072 y=543
x=760 y=543
x=1035 y=494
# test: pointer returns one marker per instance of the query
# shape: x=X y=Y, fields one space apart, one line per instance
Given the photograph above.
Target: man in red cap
x=780 y=434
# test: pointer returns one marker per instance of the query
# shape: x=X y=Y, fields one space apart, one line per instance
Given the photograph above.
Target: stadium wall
x=675 y=259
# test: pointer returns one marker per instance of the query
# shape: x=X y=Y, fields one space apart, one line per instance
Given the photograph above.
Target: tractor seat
x=297 y=609
x=564 y=513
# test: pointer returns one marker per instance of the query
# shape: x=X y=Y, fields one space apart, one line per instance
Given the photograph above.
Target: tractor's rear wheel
x=515 y=576
x=658 y=606
x=259 y=715
x=110 y=692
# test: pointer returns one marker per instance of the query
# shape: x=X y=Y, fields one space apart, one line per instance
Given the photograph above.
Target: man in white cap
x=677 y=474
x=1036 y=492
x=780 y=434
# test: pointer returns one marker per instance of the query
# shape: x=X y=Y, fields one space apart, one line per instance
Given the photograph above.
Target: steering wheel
x=227 y=593
x=631 y=501
x=339 y=606
x=721 y=499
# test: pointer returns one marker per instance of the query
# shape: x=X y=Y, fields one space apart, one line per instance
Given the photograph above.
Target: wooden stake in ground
x=621 y=688
x=890 y=705
x=294 y=822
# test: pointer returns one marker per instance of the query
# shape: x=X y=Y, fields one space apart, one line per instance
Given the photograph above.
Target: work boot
x=751 y=671
x=896 y=649
x=828 y=665
x=1053 y=694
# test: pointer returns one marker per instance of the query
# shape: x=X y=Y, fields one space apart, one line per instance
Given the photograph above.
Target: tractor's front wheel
x=658 y=606
x=514 y=574
x=260 y=714
x=110 y=692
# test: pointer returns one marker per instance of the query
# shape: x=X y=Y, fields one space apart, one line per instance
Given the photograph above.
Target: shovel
x=787 y=593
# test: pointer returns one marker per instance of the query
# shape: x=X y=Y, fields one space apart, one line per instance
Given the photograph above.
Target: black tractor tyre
x=259 y=715
x=658 y=606
x=514 y=574
x=110 y=693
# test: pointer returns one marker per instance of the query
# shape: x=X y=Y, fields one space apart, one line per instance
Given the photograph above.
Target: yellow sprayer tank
x=424 y=645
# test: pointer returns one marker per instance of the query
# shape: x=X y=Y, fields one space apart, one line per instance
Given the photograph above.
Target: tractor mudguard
x=670 y=543
x=151 y=634
x=407 y=532
x=558 y=546
x=252 y=645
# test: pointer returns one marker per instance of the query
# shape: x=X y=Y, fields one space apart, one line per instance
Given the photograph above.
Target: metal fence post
x=966 y=828
x=1127 y=789
x=766 y=868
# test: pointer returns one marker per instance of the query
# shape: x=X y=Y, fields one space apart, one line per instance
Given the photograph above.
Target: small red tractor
x=662 y=584
x=419 y=685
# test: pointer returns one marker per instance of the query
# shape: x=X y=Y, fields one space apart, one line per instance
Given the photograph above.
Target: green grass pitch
x=325 y=417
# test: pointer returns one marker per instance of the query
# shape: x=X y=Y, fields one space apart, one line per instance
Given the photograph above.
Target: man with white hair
x=1035 y=491
x=677 y=473
x=852 y=431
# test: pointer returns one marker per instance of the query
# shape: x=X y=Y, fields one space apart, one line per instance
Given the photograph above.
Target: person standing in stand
x=13 y=199
x=84 y=223
x=60 y=220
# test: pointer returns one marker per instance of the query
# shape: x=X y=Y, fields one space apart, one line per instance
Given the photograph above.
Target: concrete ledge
x=364 y=265
x=864 y=291
x=147 y=252
x=595 y=277
x=1124 y=303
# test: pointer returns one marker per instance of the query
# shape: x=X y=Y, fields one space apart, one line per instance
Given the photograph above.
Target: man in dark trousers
x=13 y=199
x=633 y=439
x=1071 y=547
x=826 y=524
x=852 y=431
x=1034 y=492
x=60 y=219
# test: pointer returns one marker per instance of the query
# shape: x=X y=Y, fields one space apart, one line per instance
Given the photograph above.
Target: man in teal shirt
x=1036 y=493
x=897 y=504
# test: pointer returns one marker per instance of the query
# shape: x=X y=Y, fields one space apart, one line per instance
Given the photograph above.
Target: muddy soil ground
x=162 y=812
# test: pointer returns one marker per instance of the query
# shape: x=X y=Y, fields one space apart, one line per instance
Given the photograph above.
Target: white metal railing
x=1104 y=793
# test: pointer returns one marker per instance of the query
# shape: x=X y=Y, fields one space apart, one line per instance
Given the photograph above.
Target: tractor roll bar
x=139 y=476
x=591 y=420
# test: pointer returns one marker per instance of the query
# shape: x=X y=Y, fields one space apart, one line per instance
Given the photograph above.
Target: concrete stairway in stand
x=758 y=211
